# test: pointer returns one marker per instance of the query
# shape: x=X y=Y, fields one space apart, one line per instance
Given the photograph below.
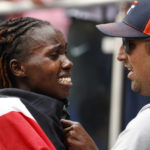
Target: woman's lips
x=65 y=81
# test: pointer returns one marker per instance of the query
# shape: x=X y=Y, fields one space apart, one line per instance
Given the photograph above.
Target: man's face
x=47 y=69
x=137 y=60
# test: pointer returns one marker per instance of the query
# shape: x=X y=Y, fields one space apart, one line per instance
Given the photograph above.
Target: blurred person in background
x=56 y=16
x=35 y=81
x=135 y=54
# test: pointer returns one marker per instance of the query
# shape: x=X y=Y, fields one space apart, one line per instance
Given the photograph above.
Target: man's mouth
x=130 y=69
x=128 y=66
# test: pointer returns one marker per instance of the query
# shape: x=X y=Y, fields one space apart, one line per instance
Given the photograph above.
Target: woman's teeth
x=64 y=80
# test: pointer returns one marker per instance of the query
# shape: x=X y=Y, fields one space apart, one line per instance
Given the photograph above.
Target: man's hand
x=76 y=137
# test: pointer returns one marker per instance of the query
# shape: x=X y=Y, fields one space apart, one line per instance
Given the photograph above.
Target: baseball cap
x=136 y=23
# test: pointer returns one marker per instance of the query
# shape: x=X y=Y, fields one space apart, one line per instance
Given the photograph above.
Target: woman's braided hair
x=11 y=31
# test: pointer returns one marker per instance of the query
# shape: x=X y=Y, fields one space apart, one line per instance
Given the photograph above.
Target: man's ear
x=17 y=68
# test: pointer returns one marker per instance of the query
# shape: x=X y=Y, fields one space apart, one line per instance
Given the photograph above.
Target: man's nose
x=122 y=56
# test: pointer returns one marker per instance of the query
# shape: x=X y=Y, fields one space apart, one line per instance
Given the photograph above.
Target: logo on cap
x=135 y=2
x=147 y=28
x=133 y=6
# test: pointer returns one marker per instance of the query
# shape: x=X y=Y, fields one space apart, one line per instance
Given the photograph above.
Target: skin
x=139 y=72
x=45 y=64
x=138 y=62
x=76 y=137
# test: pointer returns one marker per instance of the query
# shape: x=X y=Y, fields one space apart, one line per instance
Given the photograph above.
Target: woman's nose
x=66 y=63
x=122 y=56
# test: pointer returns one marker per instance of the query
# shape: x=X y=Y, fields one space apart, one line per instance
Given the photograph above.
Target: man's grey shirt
x=136 y=136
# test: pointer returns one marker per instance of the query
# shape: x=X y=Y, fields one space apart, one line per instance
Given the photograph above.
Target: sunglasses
x=126 y=45
x=129 y=44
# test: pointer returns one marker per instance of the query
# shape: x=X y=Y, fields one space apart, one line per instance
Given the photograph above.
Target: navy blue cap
x=136 y=23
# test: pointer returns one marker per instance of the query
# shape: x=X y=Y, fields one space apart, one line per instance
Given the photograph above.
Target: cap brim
x=120 y=29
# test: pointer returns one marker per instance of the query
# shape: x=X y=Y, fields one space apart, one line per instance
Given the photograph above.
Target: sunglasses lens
x=126 y=45
x=130 y=44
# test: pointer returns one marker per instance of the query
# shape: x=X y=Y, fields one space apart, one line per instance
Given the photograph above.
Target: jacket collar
x=43 y=103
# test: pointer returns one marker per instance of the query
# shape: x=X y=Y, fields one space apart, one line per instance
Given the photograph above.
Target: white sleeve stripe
x=8 y=104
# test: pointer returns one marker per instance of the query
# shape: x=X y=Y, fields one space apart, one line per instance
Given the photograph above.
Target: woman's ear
x=17 y=68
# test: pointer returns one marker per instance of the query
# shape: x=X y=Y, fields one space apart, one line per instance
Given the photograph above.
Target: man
x=135 y=54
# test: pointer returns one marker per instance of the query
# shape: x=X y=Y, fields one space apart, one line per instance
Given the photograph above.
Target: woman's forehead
x=44 y=35
x=43 y=32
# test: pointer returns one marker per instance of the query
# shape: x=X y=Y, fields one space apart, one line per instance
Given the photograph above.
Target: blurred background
x=101 y=98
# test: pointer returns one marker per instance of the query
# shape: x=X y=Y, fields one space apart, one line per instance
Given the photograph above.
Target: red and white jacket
x=30 y=121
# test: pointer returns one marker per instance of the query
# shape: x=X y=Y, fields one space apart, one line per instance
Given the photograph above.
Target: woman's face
x=47 y=69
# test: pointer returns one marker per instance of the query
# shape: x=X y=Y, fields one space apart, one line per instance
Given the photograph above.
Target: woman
x=35 y=81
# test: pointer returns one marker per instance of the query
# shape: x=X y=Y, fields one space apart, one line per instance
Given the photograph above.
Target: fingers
x=71 y=128
x=66 y=123
x=76 y=137
x=70 y=125
x=66 y=130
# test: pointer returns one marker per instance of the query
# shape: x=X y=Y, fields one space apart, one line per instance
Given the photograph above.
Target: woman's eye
x=54 y=55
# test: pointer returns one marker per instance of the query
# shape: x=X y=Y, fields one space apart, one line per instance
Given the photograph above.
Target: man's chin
x=135 y=87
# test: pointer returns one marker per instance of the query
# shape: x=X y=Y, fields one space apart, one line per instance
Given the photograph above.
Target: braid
x=10 y=32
